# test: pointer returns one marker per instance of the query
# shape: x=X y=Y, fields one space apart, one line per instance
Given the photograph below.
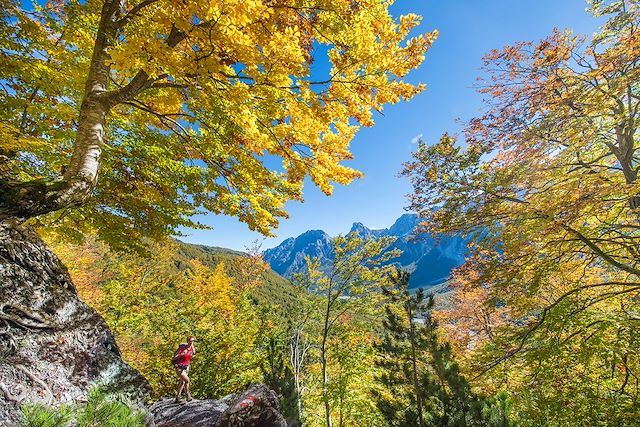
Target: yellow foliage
x=201 y=95
x=151 y=306
x=211 y=289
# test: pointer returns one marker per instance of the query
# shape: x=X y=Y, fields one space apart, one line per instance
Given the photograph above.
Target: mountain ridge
x=429 y=258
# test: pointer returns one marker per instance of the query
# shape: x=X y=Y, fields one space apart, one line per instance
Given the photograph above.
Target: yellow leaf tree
x=151 y=305
x=182 y=106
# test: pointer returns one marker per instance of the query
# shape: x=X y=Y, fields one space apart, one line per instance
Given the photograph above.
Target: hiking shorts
x=181 y=368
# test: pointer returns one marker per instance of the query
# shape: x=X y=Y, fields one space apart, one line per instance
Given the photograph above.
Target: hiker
x=181 y=361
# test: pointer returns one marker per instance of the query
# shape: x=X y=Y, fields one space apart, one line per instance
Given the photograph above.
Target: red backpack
x=182 y=356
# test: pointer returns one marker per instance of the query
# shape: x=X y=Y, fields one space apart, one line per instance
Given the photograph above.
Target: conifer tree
x=275 y=366
x=423 y=383
x=399 y=362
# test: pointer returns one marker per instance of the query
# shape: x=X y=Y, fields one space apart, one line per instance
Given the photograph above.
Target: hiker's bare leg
x=180 y=387
x=185 y=380
x=188 y=393
x=181 y=384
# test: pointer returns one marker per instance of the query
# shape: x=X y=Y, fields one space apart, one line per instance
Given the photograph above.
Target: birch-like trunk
x=414 y=367
x=323 y=360
x=23 y=200
x=297 y=355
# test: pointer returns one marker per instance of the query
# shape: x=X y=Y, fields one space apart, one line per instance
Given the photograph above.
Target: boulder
x=255 y=407
x=53 y=347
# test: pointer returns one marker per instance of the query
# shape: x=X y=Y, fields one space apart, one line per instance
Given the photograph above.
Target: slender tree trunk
x=323 y=358
x=297 y=360
x=340 y=418
x=414 y=371
x=325 y=384
x=298 y=395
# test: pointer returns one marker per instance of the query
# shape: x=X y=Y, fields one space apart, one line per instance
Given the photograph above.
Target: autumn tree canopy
x=140 y=114
x=547 y=183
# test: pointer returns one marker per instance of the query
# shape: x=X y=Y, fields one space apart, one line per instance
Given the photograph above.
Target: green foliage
x=338 y=318
x=423 y=385
x=100 y=410
x=227 y=358
x=275 y=364
x=40 y=415
x=413 y=361
x=497 y=411
x=400 y=400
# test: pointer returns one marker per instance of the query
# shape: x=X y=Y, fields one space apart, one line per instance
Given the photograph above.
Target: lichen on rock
x=53 y=347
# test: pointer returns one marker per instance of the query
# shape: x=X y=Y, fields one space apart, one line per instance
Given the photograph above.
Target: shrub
x=100 y=410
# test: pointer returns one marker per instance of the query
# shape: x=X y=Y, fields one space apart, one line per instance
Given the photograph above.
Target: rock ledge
x=256 y=407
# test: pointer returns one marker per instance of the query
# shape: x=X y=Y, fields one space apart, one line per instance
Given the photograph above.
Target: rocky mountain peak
x=406 y=224
x=361 y=230
x=429 y=258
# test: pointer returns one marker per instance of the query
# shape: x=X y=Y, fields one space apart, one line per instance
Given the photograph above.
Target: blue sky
x=468 y=29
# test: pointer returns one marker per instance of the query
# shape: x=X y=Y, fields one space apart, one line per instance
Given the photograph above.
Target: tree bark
x=414 y=372
x=23 y=200
x=323 y=357
x=297 y=357
x=624 y=153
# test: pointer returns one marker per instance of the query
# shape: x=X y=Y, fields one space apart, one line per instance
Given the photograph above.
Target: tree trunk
x=323 y=357
x=325 y=384
x=297 y=356
x=625 y=154
x=22 y=200
x=414 y=370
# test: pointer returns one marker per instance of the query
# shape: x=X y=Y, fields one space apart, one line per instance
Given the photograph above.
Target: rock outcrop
x=256 y=407
x=53 y=346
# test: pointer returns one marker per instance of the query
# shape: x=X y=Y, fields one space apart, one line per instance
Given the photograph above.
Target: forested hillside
x=315 y=340
x=267 y=285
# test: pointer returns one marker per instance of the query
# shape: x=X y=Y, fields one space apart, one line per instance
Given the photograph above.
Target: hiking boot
x=178 y=400
x=189 y=398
